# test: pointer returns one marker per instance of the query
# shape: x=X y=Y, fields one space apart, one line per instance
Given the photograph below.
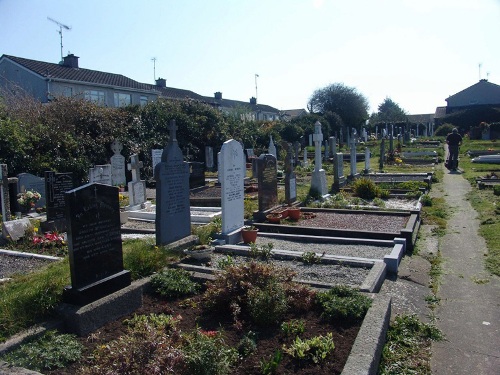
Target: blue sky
x=417 y=52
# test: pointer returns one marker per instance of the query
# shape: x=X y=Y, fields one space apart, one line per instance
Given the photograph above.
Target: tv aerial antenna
x=60 y=31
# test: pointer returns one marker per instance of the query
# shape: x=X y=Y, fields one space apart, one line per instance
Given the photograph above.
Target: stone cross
x=135 y=166
x=318 y=139
x=173 y=131
x=116 y=147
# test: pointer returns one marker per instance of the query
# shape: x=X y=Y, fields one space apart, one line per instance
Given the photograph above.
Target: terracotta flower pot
x=294 y=213
x=249 y=235
x=274 y=218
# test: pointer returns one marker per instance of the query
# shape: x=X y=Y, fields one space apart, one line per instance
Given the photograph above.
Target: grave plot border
x=409 y=232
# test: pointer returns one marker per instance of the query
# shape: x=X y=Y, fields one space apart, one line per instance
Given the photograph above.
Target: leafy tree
x=388 y=111
x=346 y=102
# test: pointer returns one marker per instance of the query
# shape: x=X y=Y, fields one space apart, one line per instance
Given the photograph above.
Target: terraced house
x=45 y=81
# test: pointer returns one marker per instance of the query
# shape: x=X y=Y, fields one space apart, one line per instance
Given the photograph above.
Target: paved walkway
x=469 y=312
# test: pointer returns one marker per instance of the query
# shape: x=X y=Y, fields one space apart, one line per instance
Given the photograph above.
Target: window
x=122 y=100
x=67 y=91
x=144 y=100
x=95 y=96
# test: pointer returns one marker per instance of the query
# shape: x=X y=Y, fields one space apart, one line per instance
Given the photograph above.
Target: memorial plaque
x=95 y=245
x=27 y=182
x=56 y=184
x=267 y=182
x=232 y=176
x=173 y=216
x=196 y=175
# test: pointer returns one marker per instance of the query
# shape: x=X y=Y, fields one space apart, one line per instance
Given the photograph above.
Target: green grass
x=407 y=350
x=31 y=298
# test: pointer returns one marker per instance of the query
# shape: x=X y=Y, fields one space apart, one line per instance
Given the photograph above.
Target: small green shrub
x=225 y=262
x=206 y=353
x=50 y=351
x=247 y=344
x=294 y=327
x=365 y=188
x=343 y=302
x=142 y=258
x=378 y=202
x=262 y=252
x=173 y=282
x=384 y=194
x=310 y=257
x=315 y=349
x=158 y=321
x=496 y=190
x=270 y=366
x=426 y=200
x=267 y=305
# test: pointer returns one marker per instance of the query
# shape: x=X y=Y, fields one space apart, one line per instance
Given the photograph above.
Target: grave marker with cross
x=136 y=187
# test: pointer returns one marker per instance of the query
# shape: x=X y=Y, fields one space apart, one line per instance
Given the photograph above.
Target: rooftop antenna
x=154 y=68
x=256 y=76
x=61 y=27
x=480 y=71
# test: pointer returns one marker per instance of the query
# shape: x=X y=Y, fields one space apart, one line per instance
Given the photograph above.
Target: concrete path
x=469 y=312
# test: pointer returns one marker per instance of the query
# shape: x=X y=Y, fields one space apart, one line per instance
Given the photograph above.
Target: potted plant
x=274 y=218
x=294 y=213
x=282 y=210
x=28 y=199
x=249 y=234
x=201 y=251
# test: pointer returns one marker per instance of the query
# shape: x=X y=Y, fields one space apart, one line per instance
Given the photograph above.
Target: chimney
x=161 y=82
x=218 y=95
x=253 y=100
x=71 y=61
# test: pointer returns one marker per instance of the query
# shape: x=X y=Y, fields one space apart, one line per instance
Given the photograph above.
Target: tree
x=346 y=102
x=388 y=111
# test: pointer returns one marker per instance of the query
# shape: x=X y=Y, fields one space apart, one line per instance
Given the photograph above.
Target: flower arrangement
x=28 y=199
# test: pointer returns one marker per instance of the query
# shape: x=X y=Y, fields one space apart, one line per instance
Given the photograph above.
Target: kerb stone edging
x=367 y=349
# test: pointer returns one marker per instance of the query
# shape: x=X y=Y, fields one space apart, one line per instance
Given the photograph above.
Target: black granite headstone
x=173 y=216
x=95 y=245
x=196 y=174
x=267 y=182
x=56 y=184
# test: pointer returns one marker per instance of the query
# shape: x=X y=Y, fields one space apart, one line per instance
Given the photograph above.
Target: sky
x=415 y=52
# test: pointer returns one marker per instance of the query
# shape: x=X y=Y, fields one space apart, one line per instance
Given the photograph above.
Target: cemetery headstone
x=353 y=158
x=310 y=140
x=338 y=168
x=267 y=182
x=327 y=155
x=156 y=156
x=382 y=155
x=290 y=180
x=305 y=163
x=56 y=184
x=196 y=174
x=27 y=182
x=333 y=145
x=272 y=148
x=95 y=244
x=209 y=157
x=136 y=187
x=391 y=144
x=318 y=180
x=173 y=217
x=4 y=193
x=100 y=174
x=14 y=230
x=367 y=160
x=232 y=186
x=296 y=150
x=250 y=153
x=117 y=165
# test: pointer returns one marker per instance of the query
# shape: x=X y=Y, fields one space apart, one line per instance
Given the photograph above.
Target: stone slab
x=15 y=229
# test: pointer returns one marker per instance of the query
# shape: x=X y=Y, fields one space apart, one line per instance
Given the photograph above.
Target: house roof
x=421 y=118
x=234 y=104
x=57 y=71
x=292 y=113
x=440 y=112
x=481 y=93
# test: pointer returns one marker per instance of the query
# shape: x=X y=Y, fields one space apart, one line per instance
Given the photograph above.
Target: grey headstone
x=100 y=174
x=4 y=192
x=136 y=187
x=353 y=159
x=156 y=156
x=272 y=148
x=95 y=246
x=15 y=229
x=318 y=178
x=27 y=181
x=196 y=174
x=290 y=180
x=173 y=218
x=117 y=165
x=209 y=157
x=56 y=184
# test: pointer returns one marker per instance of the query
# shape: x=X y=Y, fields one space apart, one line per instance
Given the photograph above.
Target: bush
x=426 y=200
x=48 y=352
x=444 y=130
x=496 y=190
x=343 y=302
x=365 y=188
x=142 y=258
x=173 y=283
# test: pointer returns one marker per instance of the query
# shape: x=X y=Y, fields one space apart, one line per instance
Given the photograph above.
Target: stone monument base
x=318 y=182
x=92 y=292
x=83 y=320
